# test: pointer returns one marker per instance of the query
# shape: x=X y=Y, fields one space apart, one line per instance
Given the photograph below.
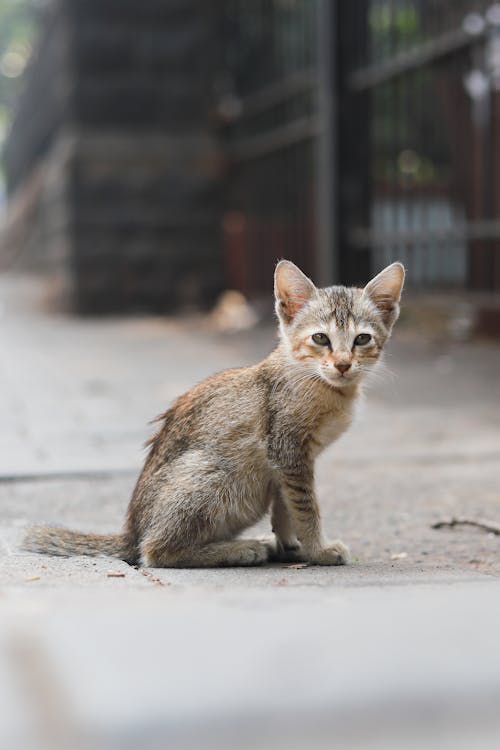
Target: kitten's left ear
x=292 y=290
x=385 y=292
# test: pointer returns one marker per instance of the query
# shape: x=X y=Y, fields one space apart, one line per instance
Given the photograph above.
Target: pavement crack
x=67 y=475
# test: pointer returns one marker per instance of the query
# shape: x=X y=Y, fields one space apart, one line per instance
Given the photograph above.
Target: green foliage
x=17 y=28
x=393 y=28
x=17 y=25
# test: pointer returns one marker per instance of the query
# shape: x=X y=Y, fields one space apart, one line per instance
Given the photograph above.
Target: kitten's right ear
x=292 y=290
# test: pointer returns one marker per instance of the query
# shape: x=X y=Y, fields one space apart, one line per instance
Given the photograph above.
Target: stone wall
x=113 y=143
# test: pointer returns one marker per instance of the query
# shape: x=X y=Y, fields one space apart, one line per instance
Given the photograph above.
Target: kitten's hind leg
x=195 y=517
x=240 y=552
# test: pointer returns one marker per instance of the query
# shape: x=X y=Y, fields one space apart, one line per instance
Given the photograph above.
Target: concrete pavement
x=398 y=650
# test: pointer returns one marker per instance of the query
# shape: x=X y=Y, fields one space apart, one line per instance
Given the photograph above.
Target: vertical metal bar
x=327 y=260
x=352 y=165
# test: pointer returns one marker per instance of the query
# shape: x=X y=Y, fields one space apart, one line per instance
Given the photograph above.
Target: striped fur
x=244 y=441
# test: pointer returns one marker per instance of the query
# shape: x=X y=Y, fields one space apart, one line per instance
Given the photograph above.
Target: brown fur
x=244 y=441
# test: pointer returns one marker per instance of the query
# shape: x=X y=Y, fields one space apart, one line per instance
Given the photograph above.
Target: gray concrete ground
x=400 y=649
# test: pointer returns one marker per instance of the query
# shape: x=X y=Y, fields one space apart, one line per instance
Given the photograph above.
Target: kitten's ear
x=292 y=290
x=385 y=292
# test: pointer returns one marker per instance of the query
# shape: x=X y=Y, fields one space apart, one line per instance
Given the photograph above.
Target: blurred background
x=158 y=158
x=156 y=153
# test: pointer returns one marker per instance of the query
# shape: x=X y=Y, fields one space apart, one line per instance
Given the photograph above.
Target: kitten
x=244 y=441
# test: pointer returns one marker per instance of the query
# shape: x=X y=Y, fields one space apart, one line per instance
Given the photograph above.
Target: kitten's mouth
x=341 y=380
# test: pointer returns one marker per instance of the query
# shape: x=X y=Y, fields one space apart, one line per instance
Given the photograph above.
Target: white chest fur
x=332 y=425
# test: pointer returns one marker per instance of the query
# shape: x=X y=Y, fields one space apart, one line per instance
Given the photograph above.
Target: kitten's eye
x=362 y=339
x=321 y=339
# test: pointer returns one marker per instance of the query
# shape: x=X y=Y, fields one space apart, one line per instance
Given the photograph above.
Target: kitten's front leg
x=298 y=493
x=286 y=547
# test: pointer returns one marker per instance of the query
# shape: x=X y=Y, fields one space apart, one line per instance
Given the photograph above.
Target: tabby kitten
x=244 y=441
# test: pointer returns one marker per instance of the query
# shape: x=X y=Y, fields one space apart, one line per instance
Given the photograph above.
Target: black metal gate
x=358 y=132
x=427 y=75
x=269 y=123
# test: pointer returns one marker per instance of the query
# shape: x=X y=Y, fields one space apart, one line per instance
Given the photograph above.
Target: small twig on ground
x=490 y=526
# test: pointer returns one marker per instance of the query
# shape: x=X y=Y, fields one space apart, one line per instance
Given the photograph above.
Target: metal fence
x=269 y=126
x=360 y=132
x=430 y=76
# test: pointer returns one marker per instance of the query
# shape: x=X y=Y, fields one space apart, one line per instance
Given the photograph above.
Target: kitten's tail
x=54 y=540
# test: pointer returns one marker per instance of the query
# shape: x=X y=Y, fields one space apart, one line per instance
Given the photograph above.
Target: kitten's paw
x=250 y=552
x=335 y=553
x=282 y=551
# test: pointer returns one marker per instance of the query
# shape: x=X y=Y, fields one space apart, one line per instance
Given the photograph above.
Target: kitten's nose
x=342 y=366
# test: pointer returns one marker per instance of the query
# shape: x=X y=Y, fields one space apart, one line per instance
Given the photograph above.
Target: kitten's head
x=336 y=333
